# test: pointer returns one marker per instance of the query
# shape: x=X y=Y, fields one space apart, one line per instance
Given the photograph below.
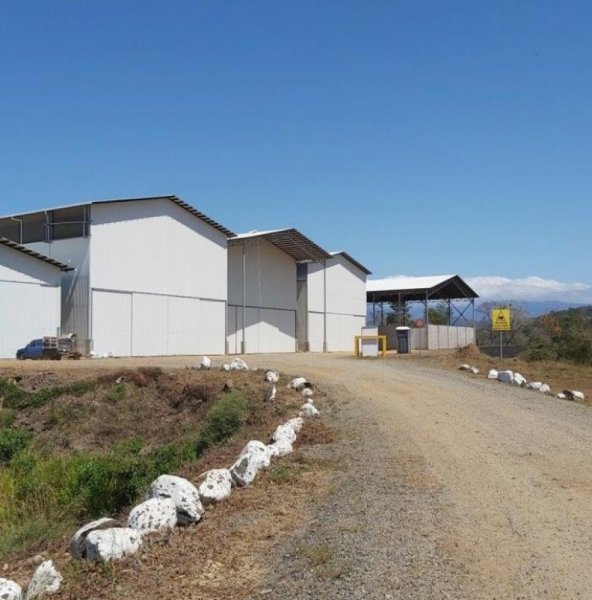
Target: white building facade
x=29 y=297
x=336 y=302
x=292 y=295
x=149 y=278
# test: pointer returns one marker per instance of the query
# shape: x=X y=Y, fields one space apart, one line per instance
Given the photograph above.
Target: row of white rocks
x=46 y=580
x=172 y=501
x=515 y=378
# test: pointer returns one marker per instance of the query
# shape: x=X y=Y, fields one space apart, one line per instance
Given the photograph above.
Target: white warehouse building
x=155 y=276
x=149 y=274
x=285 y=293
x=29 y=296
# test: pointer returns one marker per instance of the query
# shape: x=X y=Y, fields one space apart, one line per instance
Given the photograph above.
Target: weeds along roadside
x=43 y=495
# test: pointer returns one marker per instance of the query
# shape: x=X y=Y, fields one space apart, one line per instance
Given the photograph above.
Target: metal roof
x=55 y=263
x=290 y=241
x=352 y=260
x=190 y=209
x=436 y=287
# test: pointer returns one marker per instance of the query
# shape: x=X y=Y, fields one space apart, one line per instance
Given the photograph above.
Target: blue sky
x=422 y=137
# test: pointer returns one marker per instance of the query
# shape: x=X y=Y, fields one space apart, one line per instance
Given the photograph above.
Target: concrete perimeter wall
x=434 y=337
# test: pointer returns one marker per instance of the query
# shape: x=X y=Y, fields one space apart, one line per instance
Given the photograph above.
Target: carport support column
x=244 y=340
x=325 y=346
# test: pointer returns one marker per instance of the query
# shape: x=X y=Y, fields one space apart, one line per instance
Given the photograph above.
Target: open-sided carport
x=396 y=292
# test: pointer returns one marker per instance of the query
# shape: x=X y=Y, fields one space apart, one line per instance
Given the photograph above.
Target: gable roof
x=54 y=263
x=175 y=199
x=435 y=287
x=290 y=241
x=352 y=260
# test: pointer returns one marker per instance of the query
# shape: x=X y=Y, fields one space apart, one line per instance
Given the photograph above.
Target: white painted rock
x=307 y=392
x=284 y=432
x=309 y=410
x=562 y=396
x=78 y=541
x=474 y=370
x=183 y=493
x=46 y=580
x=254 y=456
x=205 y=363
x=272 y=377
x=216 y=487
x=112 y=544
x=545 y=389
x=226 y=367
x=505 y=376
x=10 y=590
x=297 y=382
x=464 y=367
x=492 y=374
x=578 y=395
x=280 y=447
x=519 y=380
x=238 y=364
x=534 y=385
x=153 y=515
x=296 y=423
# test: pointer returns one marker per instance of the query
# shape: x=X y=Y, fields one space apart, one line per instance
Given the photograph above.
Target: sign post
x=500 y=321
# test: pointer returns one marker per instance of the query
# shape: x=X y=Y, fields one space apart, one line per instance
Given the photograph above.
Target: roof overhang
x=409 y=289
x=290 y=241
x=54 y=263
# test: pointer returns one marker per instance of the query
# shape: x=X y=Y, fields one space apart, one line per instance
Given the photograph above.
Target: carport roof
x=55 y=263
x=436 y=287
x=290 y=241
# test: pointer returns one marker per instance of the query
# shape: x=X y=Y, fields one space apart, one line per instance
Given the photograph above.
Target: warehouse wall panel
x=112 y=323
x=157 y=248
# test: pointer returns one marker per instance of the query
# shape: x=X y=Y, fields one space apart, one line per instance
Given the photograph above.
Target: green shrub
x=115 y=393
x=223 y=420
x=7 y=417
x=18 y=398
x=13 y=395
x=12 y=441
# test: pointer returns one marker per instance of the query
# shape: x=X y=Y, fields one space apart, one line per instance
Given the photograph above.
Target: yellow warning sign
x=500 y=319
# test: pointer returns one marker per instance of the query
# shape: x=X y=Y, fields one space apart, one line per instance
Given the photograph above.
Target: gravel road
x=447 y=487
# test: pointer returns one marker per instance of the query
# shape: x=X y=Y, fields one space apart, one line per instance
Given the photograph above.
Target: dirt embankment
x=78 y=412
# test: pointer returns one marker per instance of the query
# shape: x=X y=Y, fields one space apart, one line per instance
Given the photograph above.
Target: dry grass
x=224 y=555
x=559 y=375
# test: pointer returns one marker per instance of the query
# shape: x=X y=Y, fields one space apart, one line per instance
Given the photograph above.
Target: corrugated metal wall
x=75 y=294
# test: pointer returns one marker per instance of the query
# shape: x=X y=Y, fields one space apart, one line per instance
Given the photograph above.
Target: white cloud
x=529 y=288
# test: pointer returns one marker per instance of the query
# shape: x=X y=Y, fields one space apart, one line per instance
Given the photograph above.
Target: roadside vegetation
x=54 y=476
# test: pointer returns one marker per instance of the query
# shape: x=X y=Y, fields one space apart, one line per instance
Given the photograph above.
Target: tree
x=400 y=315
x=439 y=314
